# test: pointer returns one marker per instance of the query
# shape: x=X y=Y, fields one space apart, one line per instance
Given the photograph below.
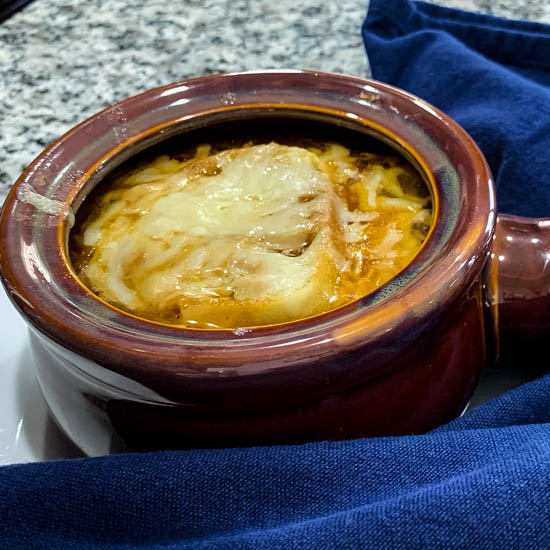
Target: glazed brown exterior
x=401 y=360
x=520 y=257
x=424 y=385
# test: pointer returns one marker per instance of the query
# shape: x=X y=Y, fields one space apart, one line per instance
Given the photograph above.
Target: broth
x=247 y=232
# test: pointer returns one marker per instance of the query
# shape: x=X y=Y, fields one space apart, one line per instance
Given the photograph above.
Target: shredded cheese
x=256 y=235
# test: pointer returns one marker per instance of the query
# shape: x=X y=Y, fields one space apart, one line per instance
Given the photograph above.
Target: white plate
x=29 y=434
x=27 y=431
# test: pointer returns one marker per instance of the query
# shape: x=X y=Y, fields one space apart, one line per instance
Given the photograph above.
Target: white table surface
x=27 y=431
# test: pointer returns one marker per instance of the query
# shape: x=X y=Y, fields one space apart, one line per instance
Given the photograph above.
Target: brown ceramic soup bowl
x=401 y=360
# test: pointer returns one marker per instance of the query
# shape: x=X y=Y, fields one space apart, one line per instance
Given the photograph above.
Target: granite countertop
x=63 y=60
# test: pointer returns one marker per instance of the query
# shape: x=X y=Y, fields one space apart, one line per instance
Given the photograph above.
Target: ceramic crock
x=401 y=360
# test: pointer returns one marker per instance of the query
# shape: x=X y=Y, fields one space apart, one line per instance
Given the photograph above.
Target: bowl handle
x=517 y=285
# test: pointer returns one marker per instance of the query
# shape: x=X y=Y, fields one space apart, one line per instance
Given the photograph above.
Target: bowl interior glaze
x=284 y=126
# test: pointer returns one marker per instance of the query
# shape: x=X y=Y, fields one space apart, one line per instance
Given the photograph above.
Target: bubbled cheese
x=259 y=230
x=249 y=236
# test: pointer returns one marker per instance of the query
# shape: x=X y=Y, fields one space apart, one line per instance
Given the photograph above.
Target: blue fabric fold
x=478 y=482
x=489 y=74
x=482 y=481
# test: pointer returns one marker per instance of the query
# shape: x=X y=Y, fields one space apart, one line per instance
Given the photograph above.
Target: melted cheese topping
x=250 y=236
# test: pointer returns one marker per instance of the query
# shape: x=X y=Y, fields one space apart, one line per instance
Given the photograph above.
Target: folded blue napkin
x=489 y=74
x=482 y=481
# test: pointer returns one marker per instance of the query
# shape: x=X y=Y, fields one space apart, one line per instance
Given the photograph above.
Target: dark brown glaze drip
x=521 y=257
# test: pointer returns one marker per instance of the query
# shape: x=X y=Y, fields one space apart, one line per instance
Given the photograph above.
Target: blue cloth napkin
x=482 y=481
x=489 y=74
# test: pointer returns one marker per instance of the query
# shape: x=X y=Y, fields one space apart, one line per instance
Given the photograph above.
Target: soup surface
x=251 y=235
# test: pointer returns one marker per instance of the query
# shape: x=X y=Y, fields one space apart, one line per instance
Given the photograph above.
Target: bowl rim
x=126 y=343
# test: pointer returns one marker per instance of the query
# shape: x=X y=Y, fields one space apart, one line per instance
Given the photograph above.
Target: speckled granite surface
x=63 y=60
